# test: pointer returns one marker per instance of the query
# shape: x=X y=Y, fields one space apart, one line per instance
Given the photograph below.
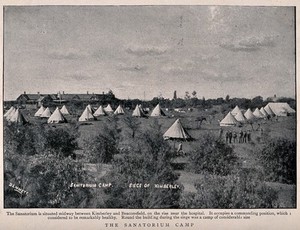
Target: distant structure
x=229 y=120
x=100 y=112
x=176 y=131
x=279 y=109
x=41 y=99
x=119 y=110
x=157 y=112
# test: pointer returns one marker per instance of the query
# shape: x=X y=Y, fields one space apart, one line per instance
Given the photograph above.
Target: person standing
x=234 y=137
x=245 y=137
x=249 y=136
x=226 y=136
x=230 y=137
x=241 y=137
x=220 y=133
x=179 y=149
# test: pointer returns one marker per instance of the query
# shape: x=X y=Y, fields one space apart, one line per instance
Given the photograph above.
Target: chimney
x=274 y=95
x=24 y=92
x=87 y=92
x=38 y=93
x=63 y=92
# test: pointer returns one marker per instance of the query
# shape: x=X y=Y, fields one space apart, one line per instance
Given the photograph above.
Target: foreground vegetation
x=44 y=160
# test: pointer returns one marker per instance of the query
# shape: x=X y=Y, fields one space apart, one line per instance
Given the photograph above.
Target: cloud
x=249 y=44
x=178 y=67
x=70 y=54
x=173 y=69
x=78 y=76
x=131 y=68
x=237 y=48
x=268 y=41
x=210 y=75
x=147 y=50
x=209 y=57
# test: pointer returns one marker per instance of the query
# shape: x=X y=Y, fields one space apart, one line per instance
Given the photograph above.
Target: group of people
x=237 y=137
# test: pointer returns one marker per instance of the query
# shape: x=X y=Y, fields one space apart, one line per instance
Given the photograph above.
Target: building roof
x=66 y=97
x=37 y=97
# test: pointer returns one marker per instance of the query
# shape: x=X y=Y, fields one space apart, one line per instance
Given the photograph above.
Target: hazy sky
x=214 y=50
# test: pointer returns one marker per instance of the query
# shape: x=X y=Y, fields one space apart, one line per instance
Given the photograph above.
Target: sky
x=149 y=51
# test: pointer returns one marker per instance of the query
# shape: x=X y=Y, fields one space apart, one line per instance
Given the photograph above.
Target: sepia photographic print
x=149 y=111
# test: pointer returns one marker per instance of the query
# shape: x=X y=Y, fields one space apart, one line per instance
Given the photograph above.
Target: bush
x=213 y=156
x=146 y=161
x=62 y=140
x=278 y=158
x=23 y=140
x=102 y=147
x=47 y=180
x=41 y=167
x=242 y=190
x=133 y=124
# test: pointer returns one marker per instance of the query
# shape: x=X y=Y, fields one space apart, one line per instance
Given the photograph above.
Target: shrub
x=213 y=156
x=47 y=180
x=62 y=141
x=133 y=124
x=22 y=139
x=278 y=158
x=41 y=167
x=102 y=147
x=147 y=161
x=241 y=190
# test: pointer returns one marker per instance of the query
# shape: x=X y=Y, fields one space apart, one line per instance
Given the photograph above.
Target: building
x=40 y=99
x=35 y=98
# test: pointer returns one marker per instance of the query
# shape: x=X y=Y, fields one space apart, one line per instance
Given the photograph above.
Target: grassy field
x=284 y=127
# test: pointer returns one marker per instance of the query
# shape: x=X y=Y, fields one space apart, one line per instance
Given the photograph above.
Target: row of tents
x=90 y=114
x=15 y=115
x=176 y=130
x=58 y=116
x=236 y=116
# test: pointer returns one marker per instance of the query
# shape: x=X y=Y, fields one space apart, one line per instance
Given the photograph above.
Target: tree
x=147 y=161
x=278 y=157
x=194 y=94
x=227 y=98
x=179 y=103
x=63 y=141
x=133 y=124
x=213 y=156
x=175 y=95
x=45 y=176
x=102 y=147
x=187 y=95
x=23 y=140
x=203 y=101
x=52 y=178
x=110 y=92
x=257 y=102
